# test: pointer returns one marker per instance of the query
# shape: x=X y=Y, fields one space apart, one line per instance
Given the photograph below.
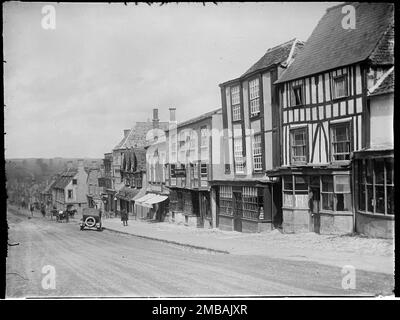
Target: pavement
x=50 y=259
x=362 y=253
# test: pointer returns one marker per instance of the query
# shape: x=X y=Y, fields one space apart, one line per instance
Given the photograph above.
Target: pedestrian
x=124 y=218
x=32 y=209
x=43 y=210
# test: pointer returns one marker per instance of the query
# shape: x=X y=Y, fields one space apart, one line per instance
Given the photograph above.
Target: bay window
x=295 y=192
x=376 y=186
x=336 y=193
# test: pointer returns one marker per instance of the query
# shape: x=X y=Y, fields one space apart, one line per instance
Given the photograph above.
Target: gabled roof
x=137 y=135
x=65 y=178
x=134 y=160
x=331 y=46
x=276 y=55
x=384 y=51
x=384 y=85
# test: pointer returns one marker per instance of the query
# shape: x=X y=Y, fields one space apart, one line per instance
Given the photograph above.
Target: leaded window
x=341 y=141
x=298 y=145
x=254 y=95
x=257 y=153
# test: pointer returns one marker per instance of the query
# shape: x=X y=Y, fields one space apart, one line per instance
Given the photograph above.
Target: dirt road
x=99 y=264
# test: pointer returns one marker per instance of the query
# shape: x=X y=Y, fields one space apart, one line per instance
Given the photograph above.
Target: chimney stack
x=155 y=118
x=172 y=116
x=126 y=132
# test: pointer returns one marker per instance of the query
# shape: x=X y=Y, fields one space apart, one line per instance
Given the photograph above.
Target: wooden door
x=314 y=209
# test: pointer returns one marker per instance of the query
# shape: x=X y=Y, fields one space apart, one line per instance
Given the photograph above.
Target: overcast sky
x=71 y=91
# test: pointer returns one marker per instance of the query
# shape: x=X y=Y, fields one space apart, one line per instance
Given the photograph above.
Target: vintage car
x=91 y=219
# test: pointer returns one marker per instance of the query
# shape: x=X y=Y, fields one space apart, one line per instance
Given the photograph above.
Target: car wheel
x=90 y=222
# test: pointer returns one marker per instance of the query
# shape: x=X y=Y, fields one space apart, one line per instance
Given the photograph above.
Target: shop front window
x=335 y=193
x=295 y=192
x=225 y=199
x=376 y=185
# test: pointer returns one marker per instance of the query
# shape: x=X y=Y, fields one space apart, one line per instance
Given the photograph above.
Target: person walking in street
x=43 y=210
x=124 y=218
x=32 y=209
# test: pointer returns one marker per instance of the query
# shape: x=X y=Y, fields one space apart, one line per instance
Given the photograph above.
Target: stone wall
x=375 y=226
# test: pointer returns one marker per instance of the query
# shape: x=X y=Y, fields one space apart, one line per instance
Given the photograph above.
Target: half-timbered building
x=247 y=200
x=325 y=117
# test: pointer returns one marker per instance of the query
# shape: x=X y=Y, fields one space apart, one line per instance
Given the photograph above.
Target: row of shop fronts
x=299 y=144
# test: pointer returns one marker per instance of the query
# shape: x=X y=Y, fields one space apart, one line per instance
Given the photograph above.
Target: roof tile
x=331 y=46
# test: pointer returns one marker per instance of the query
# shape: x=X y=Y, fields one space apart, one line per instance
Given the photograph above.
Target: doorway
x=205 y=210
x=314 y=204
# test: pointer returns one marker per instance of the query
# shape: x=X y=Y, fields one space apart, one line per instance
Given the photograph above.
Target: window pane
x=389 y=171
x=327 y=183
x=343 y=202
x=369 y=172
x=361 y=172
x=379 y=171
x=342 y=183
x=301 y=200
x=327 y=201
x=288 y=199
x=288 y=185
x=380 y=199
x=370 y=199
x=361 y=197
x=300 y=184
x=390 y=200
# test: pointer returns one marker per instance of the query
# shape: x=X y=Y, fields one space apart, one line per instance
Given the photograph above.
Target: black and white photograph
x=204 y=150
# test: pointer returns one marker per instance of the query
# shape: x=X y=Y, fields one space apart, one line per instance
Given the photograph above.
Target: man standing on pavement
x=32 y=209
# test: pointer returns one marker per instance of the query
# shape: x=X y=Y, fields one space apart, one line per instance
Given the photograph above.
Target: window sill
x=339 y=99
x=377 y=215
x=336 y=213
x=294 y=208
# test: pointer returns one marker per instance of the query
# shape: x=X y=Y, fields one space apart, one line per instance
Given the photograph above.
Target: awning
x=149 y=199
x=156 y=199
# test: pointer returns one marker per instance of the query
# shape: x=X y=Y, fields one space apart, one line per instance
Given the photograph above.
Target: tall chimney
x=126 y=132
x=155 y=118
x=172 y=116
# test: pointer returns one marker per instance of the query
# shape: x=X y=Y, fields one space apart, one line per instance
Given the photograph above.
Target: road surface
x=108 y=264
